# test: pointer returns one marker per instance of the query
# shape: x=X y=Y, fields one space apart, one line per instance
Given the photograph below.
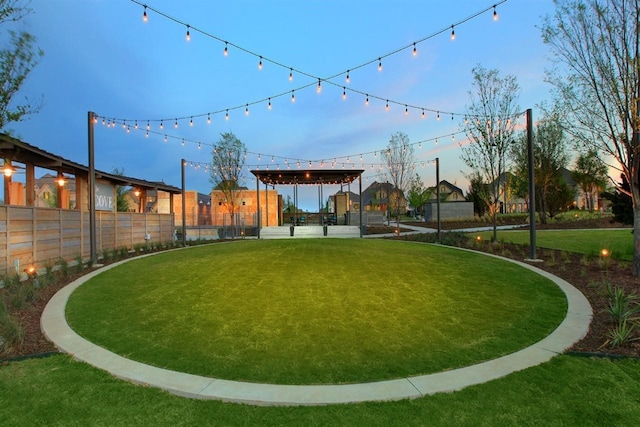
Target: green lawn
x=315 y=310
x=567 y=391
x=588 y=242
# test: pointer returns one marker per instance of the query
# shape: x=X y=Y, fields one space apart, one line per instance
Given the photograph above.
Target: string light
x=423 y=115
x=293 y=96
x=269 y=106
x=182 y=142
x=453 y=33
x=175 y=124
x=148 y=125
x=135 y=126
x=290 y=74
x=366 y=101
x=191 y=122
x=165 y=138
x=226 y=116
x=188 y=36
x=144 y=14
x=161 y=125
x=208 y=119
x=415 y=50
x=344 y=92
x=386 y=107
x=406 y=110
x=348 y=79
x=246 y=110
x=438 y=116
x=319 y=89
x=260 y=64
x=379 y=64
x=199 y=146
x=495 y=13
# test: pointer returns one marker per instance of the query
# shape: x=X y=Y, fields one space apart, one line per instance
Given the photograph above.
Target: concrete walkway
x=572 y=329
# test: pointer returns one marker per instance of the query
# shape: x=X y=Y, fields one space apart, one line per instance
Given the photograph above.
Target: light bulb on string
x=379 y=64
x=319 y=89
x=148 y=125
x=366 y=101
x=175 y=124
x=269 y=105
x=188 y=36
x=290 y=74
x=145 y=18
x=348 y=79
x=260 y=64
x=146 y=134
x=103 y=121
x=386 y=107
x=495 y=13
x=165 y=138
x=453 y=33
x=135 y=126
x=293 y=96
x=438 y=116
x=208 y=119
x=199 y=146
x=423 y=115
x=436 y=141
x=344 y=93
x=406 y=110
x=191 y=122
x=182 y=142
x=415 y=50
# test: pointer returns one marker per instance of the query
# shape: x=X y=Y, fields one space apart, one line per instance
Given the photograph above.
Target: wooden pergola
x=298 y=177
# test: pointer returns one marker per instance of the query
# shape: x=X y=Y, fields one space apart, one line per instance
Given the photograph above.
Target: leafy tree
x=418 y=194
x=399 y=160
x=559 y=197
x=621 y=205
x=17 y=59
x=550 y=154
x=122 y=203
x=596 y=44
x=490 y=127
x=590 y=174
x=226 y=175
x=478 y=194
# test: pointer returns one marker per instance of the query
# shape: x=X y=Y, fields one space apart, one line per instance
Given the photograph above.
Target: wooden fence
x=31 y=236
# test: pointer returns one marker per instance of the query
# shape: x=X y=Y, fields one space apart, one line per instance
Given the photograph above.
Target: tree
x=122 y=203
x=478 y=194
x=490 y=127
x=597 y=47
x=399 y=160
x=226 y=175
x=621 y=204
x=418 y=194
x=549 y=156
x=590 y=174
x=17 y=59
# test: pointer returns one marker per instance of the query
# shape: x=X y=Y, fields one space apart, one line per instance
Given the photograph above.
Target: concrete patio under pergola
x=297 y=177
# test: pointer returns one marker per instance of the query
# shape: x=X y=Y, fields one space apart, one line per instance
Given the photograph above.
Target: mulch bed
x=588 y=275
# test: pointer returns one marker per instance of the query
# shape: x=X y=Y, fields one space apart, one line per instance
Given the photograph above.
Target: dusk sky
x=100 y=56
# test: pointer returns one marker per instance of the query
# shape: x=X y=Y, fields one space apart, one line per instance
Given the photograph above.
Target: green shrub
x=622 y=306
x=622 y=334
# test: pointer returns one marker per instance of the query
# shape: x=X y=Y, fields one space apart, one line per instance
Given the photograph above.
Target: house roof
x=19 y=151
x=307 y=176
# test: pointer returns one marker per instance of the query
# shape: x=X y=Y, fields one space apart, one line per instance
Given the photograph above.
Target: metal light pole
x=183 y=162
x=92 y=192
x=438 y=195
x=532 y=189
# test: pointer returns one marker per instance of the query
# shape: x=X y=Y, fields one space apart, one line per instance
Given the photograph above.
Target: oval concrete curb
x=573 y=328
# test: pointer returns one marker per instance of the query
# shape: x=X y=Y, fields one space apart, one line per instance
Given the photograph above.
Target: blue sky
x=100 y=56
